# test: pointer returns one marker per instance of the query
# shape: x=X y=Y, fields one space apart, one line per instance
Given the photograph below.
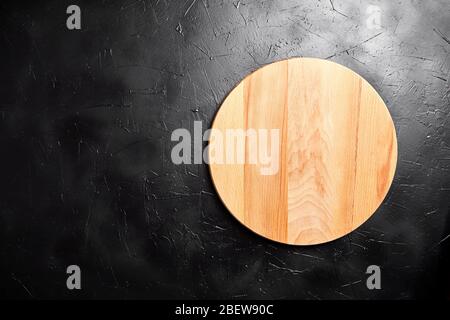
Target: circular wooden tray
x=336 y=155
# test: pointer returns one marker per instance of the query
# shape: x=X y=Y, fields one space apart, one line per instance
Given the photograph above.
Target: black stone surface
x=85 y=170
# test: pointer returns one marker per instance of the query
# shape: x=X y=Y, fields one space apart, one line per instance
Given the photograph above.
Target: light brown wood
x=337 y=151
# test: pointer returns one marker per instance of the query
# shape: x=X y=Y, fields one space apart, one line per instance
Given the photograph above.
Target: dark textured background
x=85 y=171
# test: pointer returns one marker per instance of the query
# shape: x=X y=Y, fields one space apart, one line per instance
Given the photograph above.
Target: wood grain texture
x=337 y=155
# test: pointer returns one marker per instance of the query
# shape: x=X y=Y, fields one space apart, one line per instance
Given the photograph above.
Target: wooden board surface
x=337 y=152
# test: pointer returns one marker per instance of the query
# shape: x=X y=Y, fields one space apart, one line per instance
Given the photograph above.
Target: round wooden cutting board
x=329 y=167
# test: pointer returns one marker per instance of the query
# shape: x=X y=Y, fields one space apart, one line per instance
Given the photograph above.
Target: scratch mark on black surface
x=189 y=8
x=22 y=285
x=441 y=35
x=334 y=9
x=210 y=86
x=350 y=283
x=293 y=271
x=440 y=78
x=354 y=47
x=444 y=239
